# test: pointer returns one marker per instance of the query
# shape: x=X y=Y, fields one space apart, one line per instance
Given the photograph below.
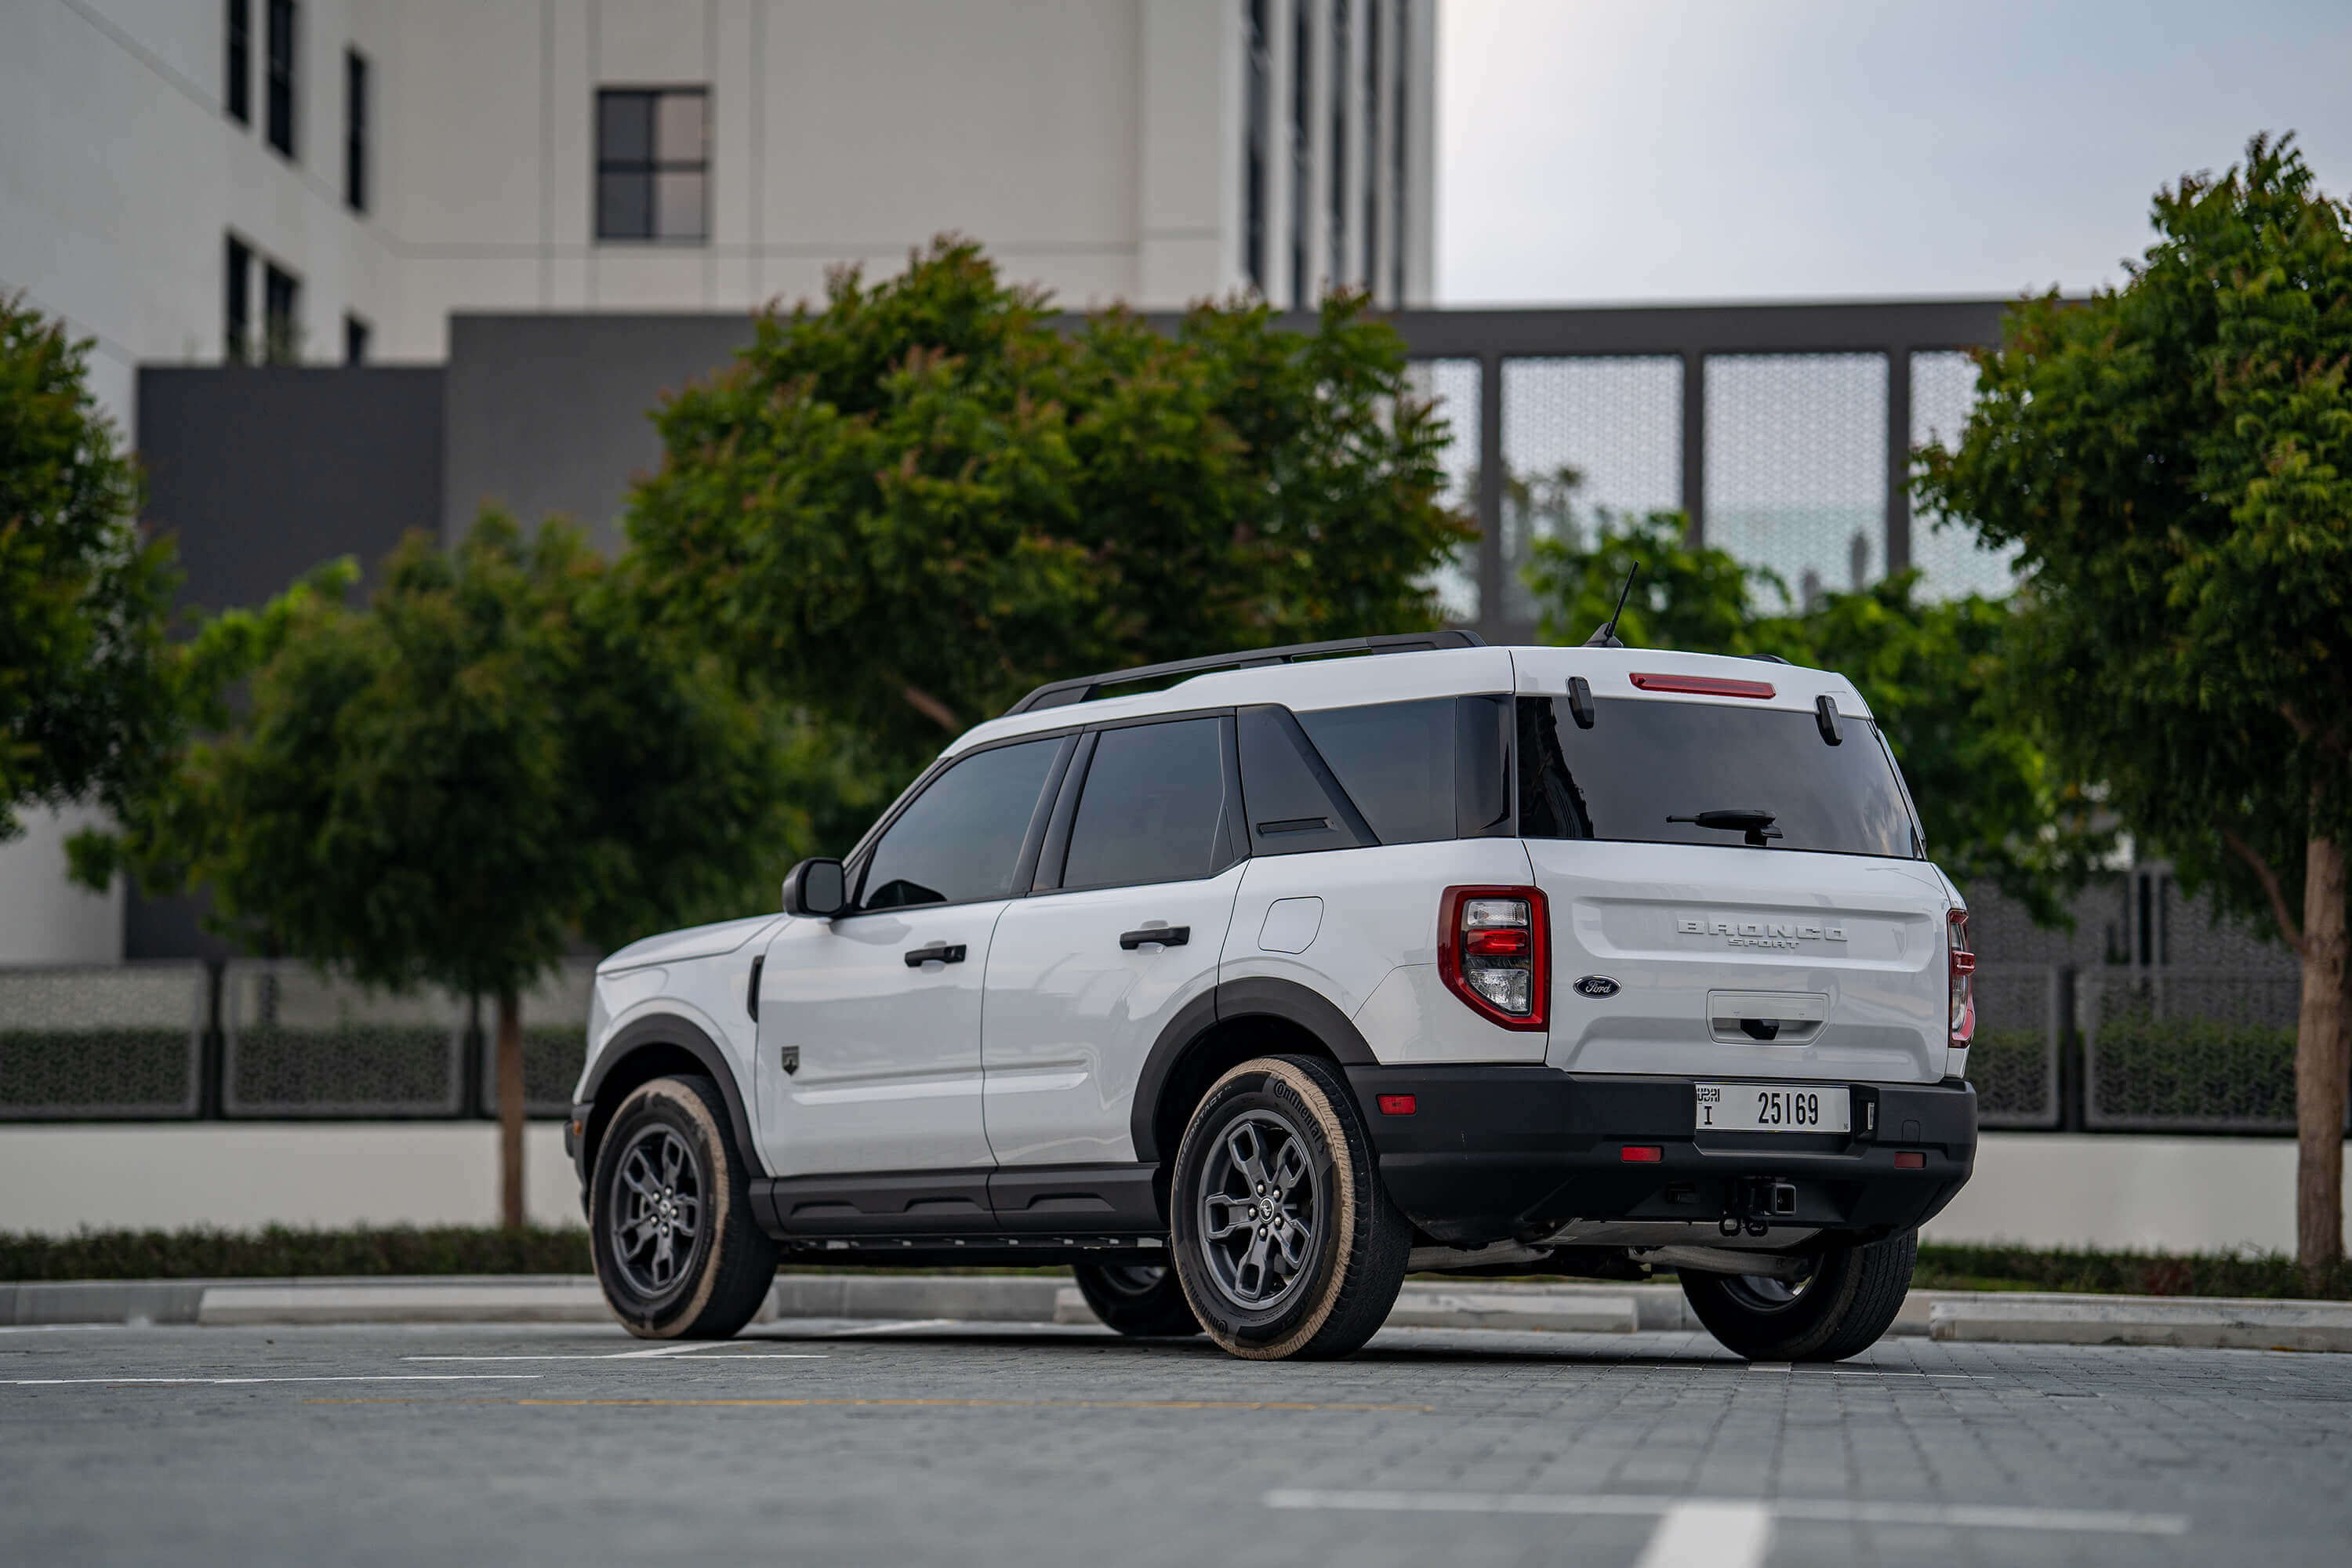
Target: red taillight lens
x=1492 y=950
x=1641 y=1154
x=1398 y=1105
x=1963 y=991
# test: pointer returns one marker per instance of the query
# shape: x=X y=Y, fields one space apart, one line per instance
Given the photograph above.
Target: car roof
x=1354 y=682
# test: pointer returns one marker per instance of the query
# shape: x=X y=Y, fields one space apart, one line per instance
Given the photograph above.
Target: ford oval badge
x=1596 y=986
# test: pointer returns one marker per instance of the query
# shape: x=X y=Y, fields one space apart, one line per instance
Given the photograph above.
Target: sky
x=1602 y=151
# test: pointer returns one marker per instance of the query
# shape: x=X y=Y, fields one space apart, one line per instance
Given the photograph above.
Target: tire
x=667 y=1174
x=1321 y=1281
x=1137 y=1298
x=1841 y=1309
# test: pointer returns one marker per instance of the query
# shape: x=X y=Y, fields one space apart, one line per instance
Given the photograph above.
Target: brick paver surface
x=860 y=1443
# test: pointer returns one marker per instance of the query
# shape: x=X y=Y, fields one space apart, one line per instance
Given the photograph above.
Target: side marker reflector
x=1397 y=1105
x=1641 y=1154
x=1910 y=1159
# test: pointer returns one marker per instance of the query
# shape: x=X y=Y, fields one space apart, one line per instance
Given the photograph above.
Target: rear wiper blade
x=1757 y=824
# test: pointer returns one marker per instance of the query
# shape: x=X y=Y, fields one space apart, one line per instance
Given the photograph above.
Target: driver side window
x=960 y=841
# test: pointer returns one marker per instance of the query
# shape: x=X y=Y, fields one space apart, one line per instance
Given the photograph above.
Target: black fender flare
x=670 y=1029
x=1258 y=996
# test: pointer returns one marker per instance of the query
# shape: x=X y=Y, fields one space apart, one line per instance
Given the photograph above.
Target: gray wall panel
x=552 y=415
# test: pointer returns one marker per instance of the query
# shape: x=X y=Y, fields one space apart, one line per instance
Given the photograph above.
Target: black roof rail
x=1086 y=688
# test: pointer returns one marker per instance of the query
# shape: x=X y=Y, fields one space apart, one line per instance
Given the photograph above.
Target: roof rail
x=1086 y=688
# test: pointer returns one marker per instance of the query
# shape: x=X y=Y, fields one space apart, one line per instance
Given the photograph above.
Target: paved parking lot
x=882 y=1443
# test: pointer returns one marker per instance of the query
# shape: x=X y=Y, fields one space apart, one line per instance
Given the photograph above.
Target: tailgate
x=1739 y=963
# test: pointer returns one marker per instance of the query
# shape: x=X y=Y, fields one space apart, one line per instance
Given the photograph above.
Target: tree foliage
x=497 y=757
x=2174 y=458
x=1940 y=677
x=90 y=692
x=902 y=508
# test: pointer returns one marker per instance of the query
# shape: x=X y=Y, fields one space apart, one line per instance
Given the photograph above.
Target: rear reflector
x=1396 y=1105
x=1703 y=685
x=1910 y=1159
x=1641 y=1154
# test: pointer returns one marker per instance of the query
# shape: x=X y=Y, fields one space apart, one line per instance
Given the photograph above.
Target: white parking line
x=706 y=1353
x=1829 y=1510
x=891 y=1328
x=1709 y=1535
x=57 y=1327
x=340 y=1378
x=659 y=1351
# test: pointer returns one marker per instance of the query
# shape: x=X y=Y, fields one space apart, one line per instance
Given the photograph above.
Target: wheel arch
x=655 y=1046
x=1219 y=1030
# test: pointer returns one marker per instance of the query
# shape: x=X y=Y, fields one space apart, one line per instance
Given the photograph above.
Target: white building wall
x=1093 y=146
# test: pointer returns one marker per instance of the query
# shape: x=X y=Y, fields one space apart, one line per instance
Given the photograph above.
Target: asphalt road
x=835 y=1442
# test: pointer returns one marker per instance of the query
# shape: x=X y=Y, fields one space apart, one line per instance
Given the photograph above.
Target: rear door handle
x=937 y=953
x=1166 y=936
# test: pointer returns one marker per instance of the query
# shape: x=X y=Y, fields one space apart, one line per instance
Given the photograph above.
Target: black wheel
x=1838 y=1307
x=1286 y=1242
x=1145 y=1299
x=669 y=1220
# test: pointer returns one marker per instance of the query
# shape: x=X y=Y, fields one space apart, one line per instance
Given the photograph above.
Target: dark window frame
x=281 y=315
x=236 y=301
x=356 y=104
x=649 y=168
x=236 y=70
x=860 y=859
x=281 y=67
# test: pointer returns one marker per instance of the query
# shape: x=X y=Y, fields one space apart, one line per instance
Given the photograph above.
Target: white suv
x=1249 y=994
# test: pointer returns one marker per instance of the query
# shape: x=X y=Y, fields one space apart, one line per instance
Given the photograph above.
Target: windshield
x=1644 y=762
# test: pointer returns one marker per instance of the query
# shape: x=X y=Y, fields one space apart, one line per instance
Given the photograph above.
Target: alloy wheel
x=655 y=1227
x=1260 y=1210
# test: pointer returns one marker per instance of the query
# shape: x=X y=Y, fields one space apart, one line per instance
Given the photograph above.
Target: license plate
x=1773 y=1107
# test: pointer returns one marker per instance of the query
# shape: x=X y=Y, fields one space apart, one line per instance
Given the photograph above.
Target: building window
x=239 y=95
x=282 y=319
x=356 y=130
x=1255 y=136
x=355 y=340
x=280 y=130
x=236 y=303
x=1302 y=148
x=653 y=164
x=1400 y=132
x=1336 y=201
x=1371 y=273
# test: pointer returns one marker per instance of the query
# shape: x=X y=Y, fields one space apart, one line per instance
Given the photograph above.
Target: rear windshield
x=1645 y=761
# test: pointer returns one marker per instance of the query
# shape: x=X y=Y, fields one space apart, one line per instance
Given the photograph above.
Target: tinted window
x=1643 y=762
x=1153 y=807
x=1295 y=804
x=960 y=840
x=1395 y=760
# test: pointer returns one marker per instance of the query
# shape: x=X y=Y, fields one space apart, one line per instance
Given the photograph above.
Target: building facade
x=324 y=181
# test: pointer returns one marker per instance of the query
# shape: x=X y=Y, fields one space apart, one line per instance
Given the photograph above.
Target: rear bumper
x=1492 y=1153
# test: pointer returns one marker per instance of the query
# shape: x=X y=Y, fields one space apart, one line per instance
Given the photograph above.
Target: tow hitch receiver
x=1754 y=1202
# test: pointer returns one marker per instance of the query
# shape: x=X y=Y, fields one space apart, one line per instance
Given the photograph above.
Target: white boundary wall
x=2176 y=1194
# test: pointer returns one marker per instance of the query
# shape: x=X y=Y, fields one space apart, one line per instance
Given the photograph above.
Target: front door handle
x=937 y=953
x=1166 y=936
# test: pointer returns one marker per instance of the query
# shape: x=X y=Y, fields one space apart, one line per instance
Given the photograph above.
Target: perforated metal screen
x=1796 y=467
x=1951 y=562
x=1452 y=386
x=1615 y=421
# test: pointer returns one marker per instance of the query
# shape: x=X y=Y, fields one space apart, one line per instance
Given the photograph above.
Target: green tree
x=1939 y=677
x=496 y=758
x=900 y=509
x=91 y=691
x=2175 y=459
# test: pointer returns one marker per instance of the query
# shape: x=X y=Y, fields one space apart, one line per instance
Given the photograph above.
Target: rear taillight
x=1963 y=981
x=1494 y=951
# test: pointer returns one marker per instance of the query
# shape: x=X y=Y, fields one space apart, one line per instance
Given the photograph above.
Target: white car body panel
x=1071 y=1015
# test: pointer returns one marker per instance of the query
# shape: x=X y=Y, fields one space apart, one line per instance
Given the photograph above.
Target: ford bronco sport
x=1245 y=994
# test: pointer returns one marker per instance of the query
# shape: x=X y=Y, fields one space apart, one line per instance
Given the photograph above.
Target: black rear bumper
x=1492 y=1153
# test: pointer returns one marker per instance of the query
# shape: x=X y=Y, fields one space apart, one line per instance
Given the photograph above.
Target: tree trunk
x=2320 y=1068
x=510 y=1210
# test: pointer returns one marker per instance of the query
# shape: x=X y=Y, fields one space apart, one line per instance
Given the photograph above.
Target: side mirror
x=817 y=888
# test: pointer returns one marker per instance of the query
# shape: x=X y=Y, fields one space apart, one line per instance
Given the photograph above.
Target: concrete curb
x=1963 y=1317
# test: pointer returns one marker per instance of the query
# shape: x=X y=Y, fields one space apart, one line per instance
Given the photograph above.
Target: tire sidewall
x=673 y=1103
x=1283 y=1086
